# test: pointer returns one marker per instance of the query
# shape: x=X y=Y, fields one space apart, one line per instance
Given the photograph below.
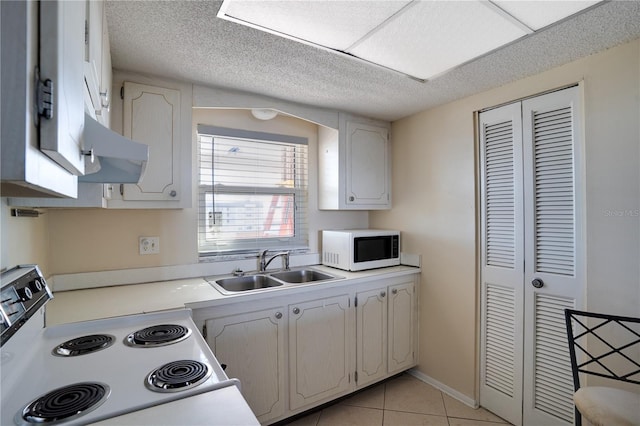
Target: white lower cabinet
x=319 y=341
x=294 y=352
x=385 y=331
x=252 y=346
x=371 y=335
x=402 y=327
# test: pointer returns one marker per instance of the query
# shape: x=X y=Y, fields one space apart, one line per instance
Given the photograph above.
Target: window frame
x=299 y=242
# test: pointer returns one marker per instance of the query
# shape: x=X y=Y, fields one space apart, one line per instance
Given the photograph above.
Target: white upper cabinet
x=62 y=36
x=25 y=169
x=105 y=76
x=355 y=165
x=152 y=116
x=97 y=66
x=156 y=113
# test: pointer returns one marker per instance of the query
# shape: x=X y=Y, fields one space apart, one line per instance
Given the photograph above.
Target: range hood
x=110 y=157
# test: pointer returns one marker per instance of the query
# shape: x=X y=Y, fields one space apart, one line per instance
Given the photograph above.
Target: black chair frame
x=592 y=359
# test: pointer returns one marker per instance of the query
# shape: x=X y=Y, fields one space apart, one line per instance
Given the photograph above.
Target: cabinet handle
x=278 y=315
x=537 y=283
x=296 y=311
x=394 y=291
x=173 y=193
x=383 y=293
x=104 y=100
x=352 y=198
x=89 y=153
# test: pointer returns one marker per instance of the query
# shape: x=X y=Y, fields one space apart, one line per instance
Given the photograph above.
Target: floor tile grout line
x=478 y=420
x=415 y=412
x=444 y=404
x=384 y=401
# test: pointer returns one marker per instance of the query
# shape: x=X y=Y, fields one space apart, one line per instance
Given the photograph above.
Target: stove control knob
x=36 y=285
x=25 y=294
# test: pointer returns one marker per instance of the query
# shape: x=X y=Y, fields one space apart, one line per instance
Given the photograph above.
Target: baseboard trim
x=444 y=388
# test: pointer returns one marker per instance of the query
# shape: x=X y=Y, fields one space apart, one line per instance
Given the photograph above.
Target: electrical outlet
x=149 y=245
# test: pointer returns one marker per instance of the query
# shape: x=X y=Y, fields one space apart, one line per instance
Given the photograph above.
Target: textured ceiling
x=184 y=40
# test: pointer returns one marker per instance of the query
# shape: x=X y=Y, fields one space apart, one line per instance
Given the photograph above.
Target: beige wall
x=87 y=240
x=434 y=192
x=24 y=240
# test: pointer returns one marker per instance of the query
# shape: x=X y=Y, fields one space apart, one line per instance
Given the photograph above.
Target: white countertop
x=105 y=302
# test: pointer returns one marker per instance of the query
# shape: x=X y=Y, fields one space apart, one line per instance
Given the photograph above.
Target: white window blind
x=252 y=191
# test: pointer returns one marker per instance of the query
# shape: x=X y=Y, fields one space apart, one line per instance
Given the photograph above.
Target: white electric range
x=87 y=372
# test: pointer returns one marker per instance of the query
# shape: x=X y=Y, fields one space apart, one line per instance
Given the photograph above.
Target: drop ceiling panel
x=333 y=24
x=429 y=38
x=536 y=15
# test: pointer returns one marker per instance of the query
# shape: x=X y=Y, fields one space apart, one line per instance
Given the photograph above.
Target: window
x=252 y=191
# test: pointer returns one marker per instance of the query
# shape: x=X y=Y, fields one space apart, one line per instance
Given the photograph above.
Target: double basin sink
x=263 y=280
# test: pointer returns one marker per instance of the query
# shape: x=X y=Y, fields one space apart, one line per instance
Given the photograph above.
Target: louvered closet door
x=530 y=154
x=552 y=251
x=502 y=262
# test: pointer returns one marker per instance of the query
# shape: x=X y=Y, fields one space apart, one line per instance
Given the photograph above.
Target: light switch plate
x=149 y=245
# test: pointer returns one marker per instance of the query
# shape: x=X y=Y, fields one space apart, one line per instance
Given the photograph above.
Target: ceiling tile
x=333 y=24
x=432 y=37
x=539 y=14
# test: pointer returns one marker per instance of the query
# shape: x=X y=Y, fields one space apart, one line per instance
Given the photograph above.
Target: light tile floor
x=401 y=401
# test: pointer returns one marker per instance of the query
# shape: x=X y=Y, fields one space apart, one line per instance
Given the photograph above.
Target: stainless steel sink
x=302 y=276
x=266 y=280
x=246 y=283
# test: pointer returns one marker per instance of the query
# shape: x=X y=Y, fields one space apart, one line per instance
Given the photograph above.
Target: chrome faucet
x=262 y=256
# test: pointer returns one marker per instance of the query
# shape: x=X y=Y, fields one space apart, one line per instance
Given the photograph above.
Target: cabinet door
x=152 y=116
x=95 y=12
x=105 y=75
x=252 y=347
x=368 y=179
x=371 y=335
x=98 y=61
x=93 y=58
x=61 y=60
x=401 y=327
x=319 y=355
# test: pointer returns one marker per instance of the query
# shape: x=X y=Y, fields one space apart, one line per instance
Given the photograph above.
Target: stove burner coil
x=84 y=345
x=64 y=404
x=177 y=376
x=158 y=335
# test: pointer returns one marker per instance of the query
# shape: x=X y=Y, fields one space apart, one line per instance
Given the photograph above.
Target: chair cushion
x=604 y=406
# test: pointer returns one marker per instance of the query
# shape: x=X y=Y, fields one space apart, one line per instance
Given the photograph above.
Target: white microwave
x=359 y=249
